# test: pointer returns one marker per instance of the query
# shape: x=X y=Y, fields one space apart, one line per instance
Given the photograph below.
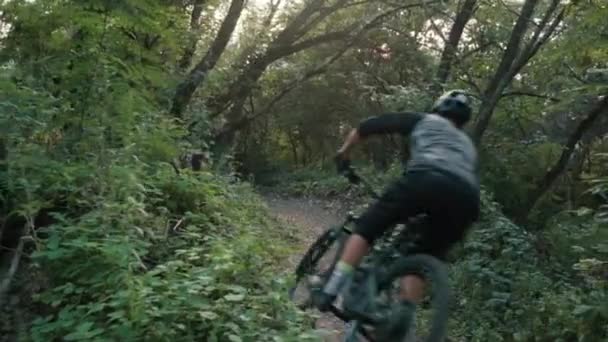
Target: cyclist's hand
x=342 y=164
x=345 y=168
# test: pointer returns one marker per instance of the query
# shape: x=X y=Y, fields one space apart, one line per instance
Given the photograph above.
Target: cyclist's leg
x=398 y=201
x=451 y=209
x=451 y=212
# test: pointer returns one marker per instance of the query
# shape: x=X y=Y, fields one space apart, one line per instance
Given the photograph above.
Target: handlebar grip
x=352 y=176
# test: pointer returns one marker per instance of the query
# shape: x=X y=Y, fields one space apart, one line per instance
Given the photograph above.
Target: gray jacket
x=435 y=143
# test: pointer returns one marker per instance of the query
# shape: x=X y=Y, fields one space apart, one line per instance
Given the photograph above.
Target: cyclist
x=439 y=180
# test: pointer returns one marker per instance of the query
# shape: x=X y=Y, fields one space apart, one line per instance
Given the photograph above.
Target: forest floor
x=312 y=217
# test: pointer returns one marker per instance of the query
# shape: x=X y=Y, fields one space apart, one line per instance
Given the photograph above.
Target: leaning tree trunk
x=544 y=185
x=186 y=89
x=451 y=46
x=499 y=81
x=515 y=58
x=195 y=26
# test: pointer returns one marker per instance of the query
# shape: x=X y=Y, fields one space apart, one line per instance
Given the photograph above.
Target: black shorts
x=451 y=206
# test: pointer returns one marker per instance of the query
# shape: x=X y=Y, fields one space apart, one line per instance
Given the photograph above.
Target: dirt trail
x=312 y=216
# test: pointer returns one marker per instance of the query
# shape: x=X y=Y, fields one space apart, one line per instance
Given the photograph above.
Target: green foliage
x=136 y=251
x=121 y=246
x=311 y=182
x=326 y=183
x=499 y=173
x=512 y=288
x=165 y=257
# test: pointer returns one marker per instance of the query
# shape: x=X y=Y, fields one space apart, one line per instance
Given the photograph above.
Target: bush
x=507 y=290
x=157 y=256
x=325 y=183
x=122 y=248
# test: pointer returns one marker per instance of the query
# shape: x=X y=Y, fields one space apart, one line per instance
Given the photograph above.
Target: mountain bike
x=373 y=292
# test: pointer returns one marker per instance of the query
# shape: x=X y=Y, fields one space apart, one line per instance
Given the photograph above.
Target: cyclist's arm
x=387 y=123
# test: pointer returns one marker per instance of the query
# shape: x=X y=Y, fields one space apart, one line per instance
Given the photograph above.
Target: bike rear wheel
x=436 y=277
x=319 y=260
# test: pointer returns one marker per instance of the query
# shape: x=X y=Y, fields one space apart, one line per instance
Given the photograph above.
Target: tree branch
x=556 y=21
x=543 y=23
x=195 y=25
x=303 y=45
x=504 y=72
x=538 y=38
x=530 y=94
x=481 y=47
x=601 y=107
x=281 y=51
x=468 y=79
x=574 y=74
x=451 y=45
x=512 y=11
x=438 y=30
x=292 y=29
x=185 y=90
x=324 y=12
x=286 y=90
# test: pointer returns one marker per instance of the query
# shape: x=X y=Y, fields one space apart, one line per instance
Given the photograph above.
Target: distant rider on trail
x=440 y=180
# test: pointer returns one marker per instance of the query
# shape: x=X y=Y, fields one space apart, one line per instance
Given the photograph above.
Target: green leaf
x=210 y=315
x=582 y=310
x=234 y=338
x=234 y=297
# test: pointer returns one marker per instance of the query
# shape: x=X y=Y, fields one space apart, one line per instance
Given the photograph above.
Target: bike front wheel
x=319 y=260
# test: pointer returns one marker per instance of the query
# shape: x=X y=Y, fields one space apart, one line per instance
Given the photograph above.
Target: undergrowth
x=145 y=254
x=326 y=183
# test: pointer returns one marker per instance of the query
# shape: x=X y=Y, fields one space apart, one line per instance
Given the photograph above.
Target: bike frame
x=391 y=257
x=368 y=269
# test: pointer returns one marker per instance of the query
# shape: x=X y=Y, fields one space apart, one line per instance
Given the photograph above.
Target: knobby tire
x=435 y=272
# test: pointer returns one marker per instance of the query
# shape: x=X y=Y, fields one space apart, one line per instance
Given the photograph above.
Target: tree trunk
x=576 y=170
x=499 y=81
x=515 y=58
x=294 y=148
x=195 y=25
x=544 y=185
x=449 y=52
x=249 y=51
x=186 y=89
